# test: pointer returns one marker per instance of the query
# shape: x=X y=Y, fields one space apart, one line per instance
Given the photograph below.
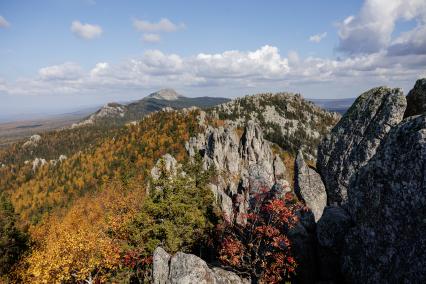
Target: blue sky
x=61 y=55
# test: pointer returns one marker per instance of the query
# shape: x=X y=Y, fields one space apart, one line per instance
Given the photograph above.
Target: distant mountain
x=336 y=105
x=118 y=114
x=166 y=94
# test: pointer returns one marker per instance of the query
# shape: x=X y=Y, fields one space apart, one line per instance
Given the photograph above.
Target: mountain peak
x=165 y=94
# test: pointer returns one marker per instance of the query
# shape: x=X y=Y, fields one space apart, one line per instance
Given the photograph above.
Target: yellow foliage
x=85 y=242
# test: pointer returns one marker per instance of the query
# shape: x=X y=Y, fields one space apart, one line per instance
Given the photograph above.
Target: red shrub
x=261 y=248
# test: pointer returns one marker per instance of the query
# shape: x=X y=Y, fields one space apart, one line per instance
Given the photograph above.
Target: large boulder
x=160 y=267
x=185 y=268
x=331 y=231
x=416 y=99
x=309 y=187
x=387 y=201
x=355 y=139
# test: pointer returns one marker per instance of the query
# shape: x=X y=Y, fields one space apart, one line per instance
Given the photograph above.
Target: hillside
x=190 y=187
x=287 y=119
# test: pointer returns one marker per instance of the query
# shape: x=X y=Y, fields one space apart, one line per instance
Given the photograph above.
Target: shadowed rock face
x=331 y=231
x=309 y=187
x=416 y=99
x=354 y=140
x=387 y=202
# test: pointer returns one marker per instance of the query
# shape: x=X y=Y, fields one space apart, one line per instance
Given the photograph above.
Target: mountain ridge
x=120 y=114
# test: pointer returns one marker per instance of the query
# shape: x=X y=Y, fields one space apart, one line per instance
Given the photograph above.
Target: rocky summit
x=166 y=94
x=355 y=139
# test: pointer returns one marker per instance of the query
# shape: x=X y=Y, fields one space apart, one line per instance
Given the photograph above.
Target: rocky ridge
x=286 y=119
x=109 y=110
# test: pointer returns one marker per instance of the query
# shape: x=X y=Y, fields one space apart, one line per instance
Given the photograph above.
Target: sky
x=62 y=55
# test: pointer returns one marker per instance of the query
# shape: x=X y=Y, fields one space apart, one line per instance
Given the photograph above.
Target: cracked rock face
x=416 y=99
x=309 y=187
x=246 y=166
x=355 y=139
x=185 y=268
x=387 y=201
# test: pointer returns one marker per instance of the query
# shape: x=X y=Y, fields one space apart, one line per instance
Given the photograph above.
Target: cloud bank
x=371 y=30
x=265 y=67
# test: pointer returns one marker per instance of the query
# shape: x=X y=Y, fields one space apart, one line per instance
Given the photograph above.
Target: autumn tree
x=260 y=249
x=84 y=244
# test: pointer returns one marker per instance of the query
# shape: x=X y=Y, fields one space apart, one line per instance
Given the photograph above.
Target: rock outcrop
x=416 y=99
x=355 y=139
x=246 y=166
x=38 y=162
x=166 y=163
x=287 y=119
x=183 y=268
x=33 y=141
x=309 y=187
x=387 y=202
x=109 y=110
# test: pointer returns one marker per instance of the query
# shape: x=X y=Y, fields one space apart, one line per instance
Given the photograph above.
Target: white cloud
x=151 y=38
x=264 y=63
x=3 y=22
x=86 y=31
x=318 y=37
x=65 y=71
x=100 y=69
x=164 y=25
x=371 y=30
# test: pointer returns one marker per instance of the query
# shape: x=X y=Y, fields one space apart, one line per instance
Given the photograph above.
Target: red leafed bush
x=260 y=248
